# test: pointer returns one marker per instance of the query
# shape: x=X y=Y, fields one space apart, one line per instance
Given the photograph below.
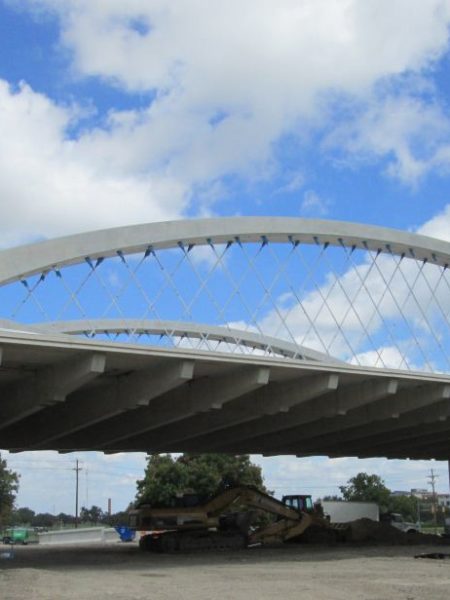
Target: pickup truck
x=397 y=520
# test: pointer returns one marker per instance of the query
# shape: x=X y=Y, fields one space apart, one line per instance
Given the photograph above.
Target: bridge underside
x=63 y=393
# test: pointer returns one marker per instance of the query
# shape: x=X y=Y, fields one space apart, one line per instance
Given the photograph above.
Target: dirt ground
x=119 y=570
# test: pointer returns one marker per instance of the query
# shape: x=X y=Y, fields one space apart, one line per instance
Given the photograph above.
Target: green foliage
x=405 y=505
x=23 y=516
x=118 y=518
x=371 y=488
x=9 y=484
x=44 y=520
x=203 y=474
x=367 y=488
x=92 y=515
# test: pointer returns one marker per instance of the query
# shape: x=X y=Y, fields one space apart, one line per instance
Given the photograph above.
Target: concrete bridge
x=261 y=335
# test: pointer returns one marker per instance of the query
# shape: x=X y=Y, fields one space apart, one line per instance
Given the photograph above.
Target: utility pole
x=432 y=479
x=449 y=474
x=77 y=469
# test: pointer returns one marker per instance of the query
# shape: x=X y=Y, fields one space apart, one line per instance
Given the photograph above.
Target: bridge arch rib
x=22 y=261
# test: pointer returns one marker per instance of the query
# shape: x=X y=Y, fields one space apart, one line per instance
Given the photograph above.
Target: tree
x=9 y=485
x=61 y=519
x=91 y=515
x=203 y=474
x=405 y=505
x=23 y=516
x=118 y=518
x=367 y=488
x=44 y=520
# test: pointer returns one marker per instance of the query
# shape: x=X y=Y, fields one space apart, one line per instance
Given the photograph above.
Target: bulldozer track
x=201 y=541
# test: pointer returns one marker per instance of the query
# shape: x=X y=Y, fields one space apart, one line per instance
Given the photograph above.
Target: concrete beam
x=328 y=405
x=269 y=400
x=423 y=406
x=125 y=393
x=414 y=442
x=403 y=435
x=380 y=417
x=48 y=386
x=57 y=382
x=438 y=450
x=200 y=396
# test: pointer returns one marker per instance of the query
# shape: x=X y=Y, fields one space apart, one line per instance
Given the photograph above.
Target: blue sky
x=307 y=108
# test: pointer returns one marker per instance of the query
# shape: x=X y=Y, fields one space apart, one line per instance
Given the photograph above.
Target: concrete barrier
x=80 y=536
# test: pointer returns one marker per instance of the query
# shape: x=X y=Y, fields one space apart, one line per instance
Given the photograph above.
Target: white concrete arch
x=23 y=261
x=184 y=329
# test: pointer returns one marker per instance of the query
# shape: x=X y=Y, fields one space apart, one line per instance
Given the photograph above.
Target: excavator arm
x=251 y=497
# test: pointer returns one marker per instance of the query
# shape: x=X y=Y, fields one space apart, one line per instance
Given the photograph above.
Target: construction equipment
x=193 y=525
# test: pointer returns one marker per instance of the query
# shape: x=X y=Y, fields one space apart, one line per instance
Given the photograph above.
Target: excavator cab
x=300 y=503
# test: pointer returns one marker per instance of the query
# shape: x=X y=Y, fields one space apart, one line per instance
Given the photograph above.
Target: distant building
x=421 y=494
x=443 y=500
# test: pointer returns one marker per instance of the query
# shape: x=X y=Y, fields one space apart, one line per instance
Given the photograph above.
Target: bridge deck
x=63 y=393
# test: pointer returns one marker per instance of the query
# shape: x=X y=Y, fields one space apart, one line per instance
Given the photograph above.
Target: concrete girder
x=419 y=441
x=417 y=405
x=200 y=396
x=420 y=436
x=433 y=452
x=400 y=432
x=127 y=392
x=48 y=386
x=422 y=449
x=327 y=405
x=272 y=399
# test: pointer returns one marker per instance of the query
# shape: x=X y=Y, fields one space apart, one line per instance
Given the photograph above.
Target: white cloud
x=411 y=135
x=385 y=356
x=206 y=51
x=313 y=204
x=49 y=184
x=321 y=476
x=438 y=226
x=227 y=81
x=47 y=482
x=295 y=181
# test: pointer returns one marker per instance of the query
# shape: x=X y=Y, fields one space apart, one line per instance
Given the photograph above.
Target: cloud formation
x=50 y=185
x=224 y=84
x=413 y=136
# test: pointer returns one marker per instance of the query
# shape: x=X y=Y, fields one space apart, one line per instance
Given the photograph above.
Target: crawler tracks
x=192 y=541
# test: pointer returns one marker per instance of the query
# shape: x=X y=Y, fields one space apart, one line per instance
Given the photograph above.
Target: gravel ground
x=122 y=571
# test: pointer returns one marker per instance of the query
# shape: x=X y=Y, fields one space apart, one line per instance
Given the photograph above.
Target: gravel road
x=117 y=570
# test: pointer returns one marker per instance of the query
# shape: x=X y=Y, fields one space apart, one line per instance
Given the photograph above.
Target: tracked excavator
x=189 y=524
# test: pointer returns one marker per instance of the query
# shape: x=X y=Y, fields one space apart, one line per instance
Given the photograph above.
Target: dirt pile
x=366 y=530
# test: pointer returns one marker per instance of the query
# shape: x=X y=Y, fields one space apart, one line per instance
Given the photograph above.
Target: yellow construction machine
x=189 y=524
